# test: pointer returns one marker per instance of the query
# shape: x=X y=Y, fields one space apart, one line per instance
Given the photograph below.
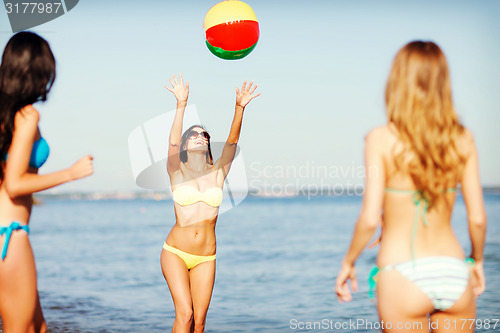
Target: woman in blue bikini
x=188 y=255
x=26 y=76
x=415 y=163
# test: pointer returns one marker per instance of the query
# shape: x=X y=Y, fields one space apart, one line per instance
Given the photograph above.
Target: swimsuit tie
x=8 y=232
x=470 y=262
x=418 y=199
x=372 y=281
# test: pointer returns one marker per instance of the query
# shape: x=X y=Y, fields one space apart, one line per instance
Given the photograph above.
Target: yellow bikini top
x=187 y=195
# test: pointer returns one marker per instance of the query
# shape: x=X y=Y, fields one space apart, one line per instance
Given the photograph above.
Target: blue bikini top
x=39 y=153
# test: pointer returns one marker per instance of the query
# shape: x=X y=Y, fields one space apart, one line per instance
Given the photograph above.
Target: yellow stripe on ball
x=227 y=11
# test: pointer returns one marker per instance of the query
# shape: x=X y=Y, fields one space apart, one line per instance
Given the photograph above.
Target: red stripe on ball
x=234 y=36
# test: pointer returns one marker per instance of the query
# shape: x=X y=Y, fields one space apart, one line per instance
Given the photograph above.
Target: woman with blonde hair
x=416 y=162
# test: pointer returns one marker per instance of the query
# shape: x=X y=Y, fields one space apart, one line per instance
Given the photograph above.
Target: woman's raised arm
x=243 y=97
x=181 y=93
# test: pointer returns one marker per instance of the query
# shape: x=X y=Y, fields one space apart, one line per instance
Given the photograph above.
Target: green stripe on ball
x=230 y=55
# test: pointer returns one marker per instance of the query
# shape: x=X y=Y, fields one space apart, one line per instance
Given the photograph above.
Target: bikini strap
x=419 y=200
x=372 y=281
x=397 y=190
x=8 y=232
x=372 y=278
x=471 y=262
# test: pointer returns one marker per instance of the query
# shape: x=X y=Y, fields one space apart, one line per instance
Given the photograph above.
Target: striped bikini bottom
x=442 y=279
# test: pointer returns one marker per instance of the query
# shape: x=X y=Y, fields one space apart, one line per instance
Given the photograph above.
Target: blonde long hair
x=419 y=103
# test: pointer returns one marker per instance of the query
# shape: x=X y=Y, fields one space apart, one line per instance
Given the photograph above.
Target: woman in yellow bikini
x=188 y=255
x=414 y=164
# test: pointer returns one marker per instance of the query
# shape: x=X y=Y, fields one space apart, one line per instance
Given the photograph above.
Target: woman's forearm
x=30 y=183
x=362 y=234
x=234 y=133
x=176 y=131
x=24 y=183
x=477 y=231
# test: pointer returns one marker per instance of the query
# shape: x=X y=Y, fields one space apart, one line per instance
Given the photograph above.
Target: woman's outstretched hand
x=244 y=96
x=180 y=91
x=347 y=272
x=82 y=168
x=478 y=279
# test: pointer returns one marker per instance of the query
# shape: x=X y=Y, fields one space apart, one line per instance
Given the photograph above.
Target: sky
x=321 y=67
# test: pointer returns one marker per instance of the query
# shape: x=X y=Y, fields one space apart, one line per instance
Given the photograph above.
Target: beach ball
x=231 y=29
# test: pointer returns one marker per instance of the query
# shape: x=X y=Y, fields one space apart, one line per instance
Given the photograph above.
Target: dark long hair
x=27 y=73
x=185 y=138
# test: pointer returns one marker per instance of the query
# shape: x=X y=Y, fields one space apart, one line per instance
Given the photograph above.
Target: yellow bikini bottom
x=191 y=260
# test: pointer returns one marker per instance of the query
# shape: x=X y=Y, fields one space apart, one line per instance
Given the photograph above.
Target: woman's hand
x=244 y=96
x=347 y=272
x=478 y=279
x=180 y=91
x=82 y=168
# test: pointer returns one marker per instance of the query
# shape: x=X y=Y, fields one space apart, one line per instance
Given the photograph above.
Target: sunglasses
x=194 y=135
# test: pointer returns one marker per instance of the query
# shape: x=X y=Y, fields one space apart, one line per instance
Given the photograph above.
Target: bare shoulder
x=175 y=176
x=380 y=137
x=465 y=143
x=376 y=133
x=218 y=173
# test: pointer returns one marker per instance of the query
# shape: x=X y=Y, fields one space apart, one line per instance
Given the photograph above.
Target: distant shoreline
x=164 y=195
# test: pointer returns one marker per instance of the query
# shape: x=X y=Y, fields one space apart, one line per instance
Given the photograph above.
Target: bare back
x=404 y=210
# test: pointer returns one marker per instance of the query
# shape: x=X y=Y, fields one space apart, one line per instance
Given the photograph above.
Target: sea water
x=98 y=264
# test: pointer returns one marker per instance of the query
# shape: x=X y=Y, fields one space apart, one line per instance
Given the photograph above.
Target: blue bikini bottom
x=8 y=232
